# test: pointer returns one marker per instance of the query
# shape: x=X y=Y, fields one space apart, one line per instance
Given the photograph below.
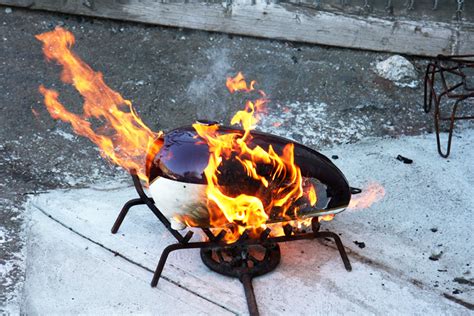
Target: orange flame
x=298 y=225
x=374 y=192
x=123 y=138
x=238 y=83
x=248 y=212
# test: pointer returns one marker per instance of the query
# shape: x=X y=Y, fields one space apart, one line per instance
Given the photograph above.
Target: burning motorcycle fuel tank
x=178 y=182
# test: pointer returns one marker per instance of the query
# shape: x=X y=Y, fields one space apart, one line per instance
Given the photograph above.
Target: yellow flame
x=326 y=218
x=312 y=196
x=248 y=211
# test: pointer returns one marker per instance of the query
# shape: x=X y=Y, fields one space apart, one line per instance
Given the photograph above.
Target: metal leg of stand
x=450 y=131
x=246 y=280
x=437 y=127
x=162 y=262
x=340 y=247
x=124 y=213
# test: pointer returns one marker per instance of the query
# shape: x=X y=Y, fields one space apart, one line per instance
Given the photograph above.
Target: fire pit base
x=254 y=260
x=243 y=263
x=245 y=258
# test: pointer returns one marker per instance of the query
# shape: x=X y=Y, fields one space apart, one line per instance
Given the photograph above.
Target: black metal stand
x=238 y=259
x=456 y=87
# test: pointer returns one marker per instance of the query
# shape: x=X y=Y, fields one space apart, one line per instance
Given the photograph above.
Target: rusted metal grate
x=449 y=82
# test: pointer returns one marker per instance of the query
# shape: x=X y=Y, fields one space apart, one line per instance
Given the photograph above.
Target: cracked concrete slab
x=66 y=274
x=393 y=274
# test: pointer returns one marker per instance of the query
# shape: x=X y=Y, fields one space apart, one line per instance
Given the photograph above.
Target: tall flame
x=126 y=141
x=122 y=138
x=249 y=212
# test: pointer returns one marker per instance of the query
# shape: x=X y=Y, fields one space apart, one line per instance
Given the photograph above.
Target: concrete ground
x=329 y=96
x=411 y=251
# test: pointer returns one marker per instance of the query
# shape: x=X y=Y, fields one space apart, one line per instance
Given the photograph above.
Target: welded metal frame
x=459 y=92
x=216 y=242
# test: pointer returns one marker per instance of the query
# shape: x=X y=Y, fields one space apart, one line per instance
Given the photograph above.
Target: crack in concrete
x=359 y=257
x=118 y=254
x=459 y=301
x=400 y=275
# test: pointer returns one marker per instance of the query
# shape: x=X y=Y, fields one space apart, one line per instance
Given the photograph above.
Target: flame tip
x=127 y=139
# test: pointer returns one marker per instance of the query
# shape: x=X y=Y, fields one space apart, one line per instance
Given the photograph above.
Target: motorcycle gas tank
x=184 y=155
